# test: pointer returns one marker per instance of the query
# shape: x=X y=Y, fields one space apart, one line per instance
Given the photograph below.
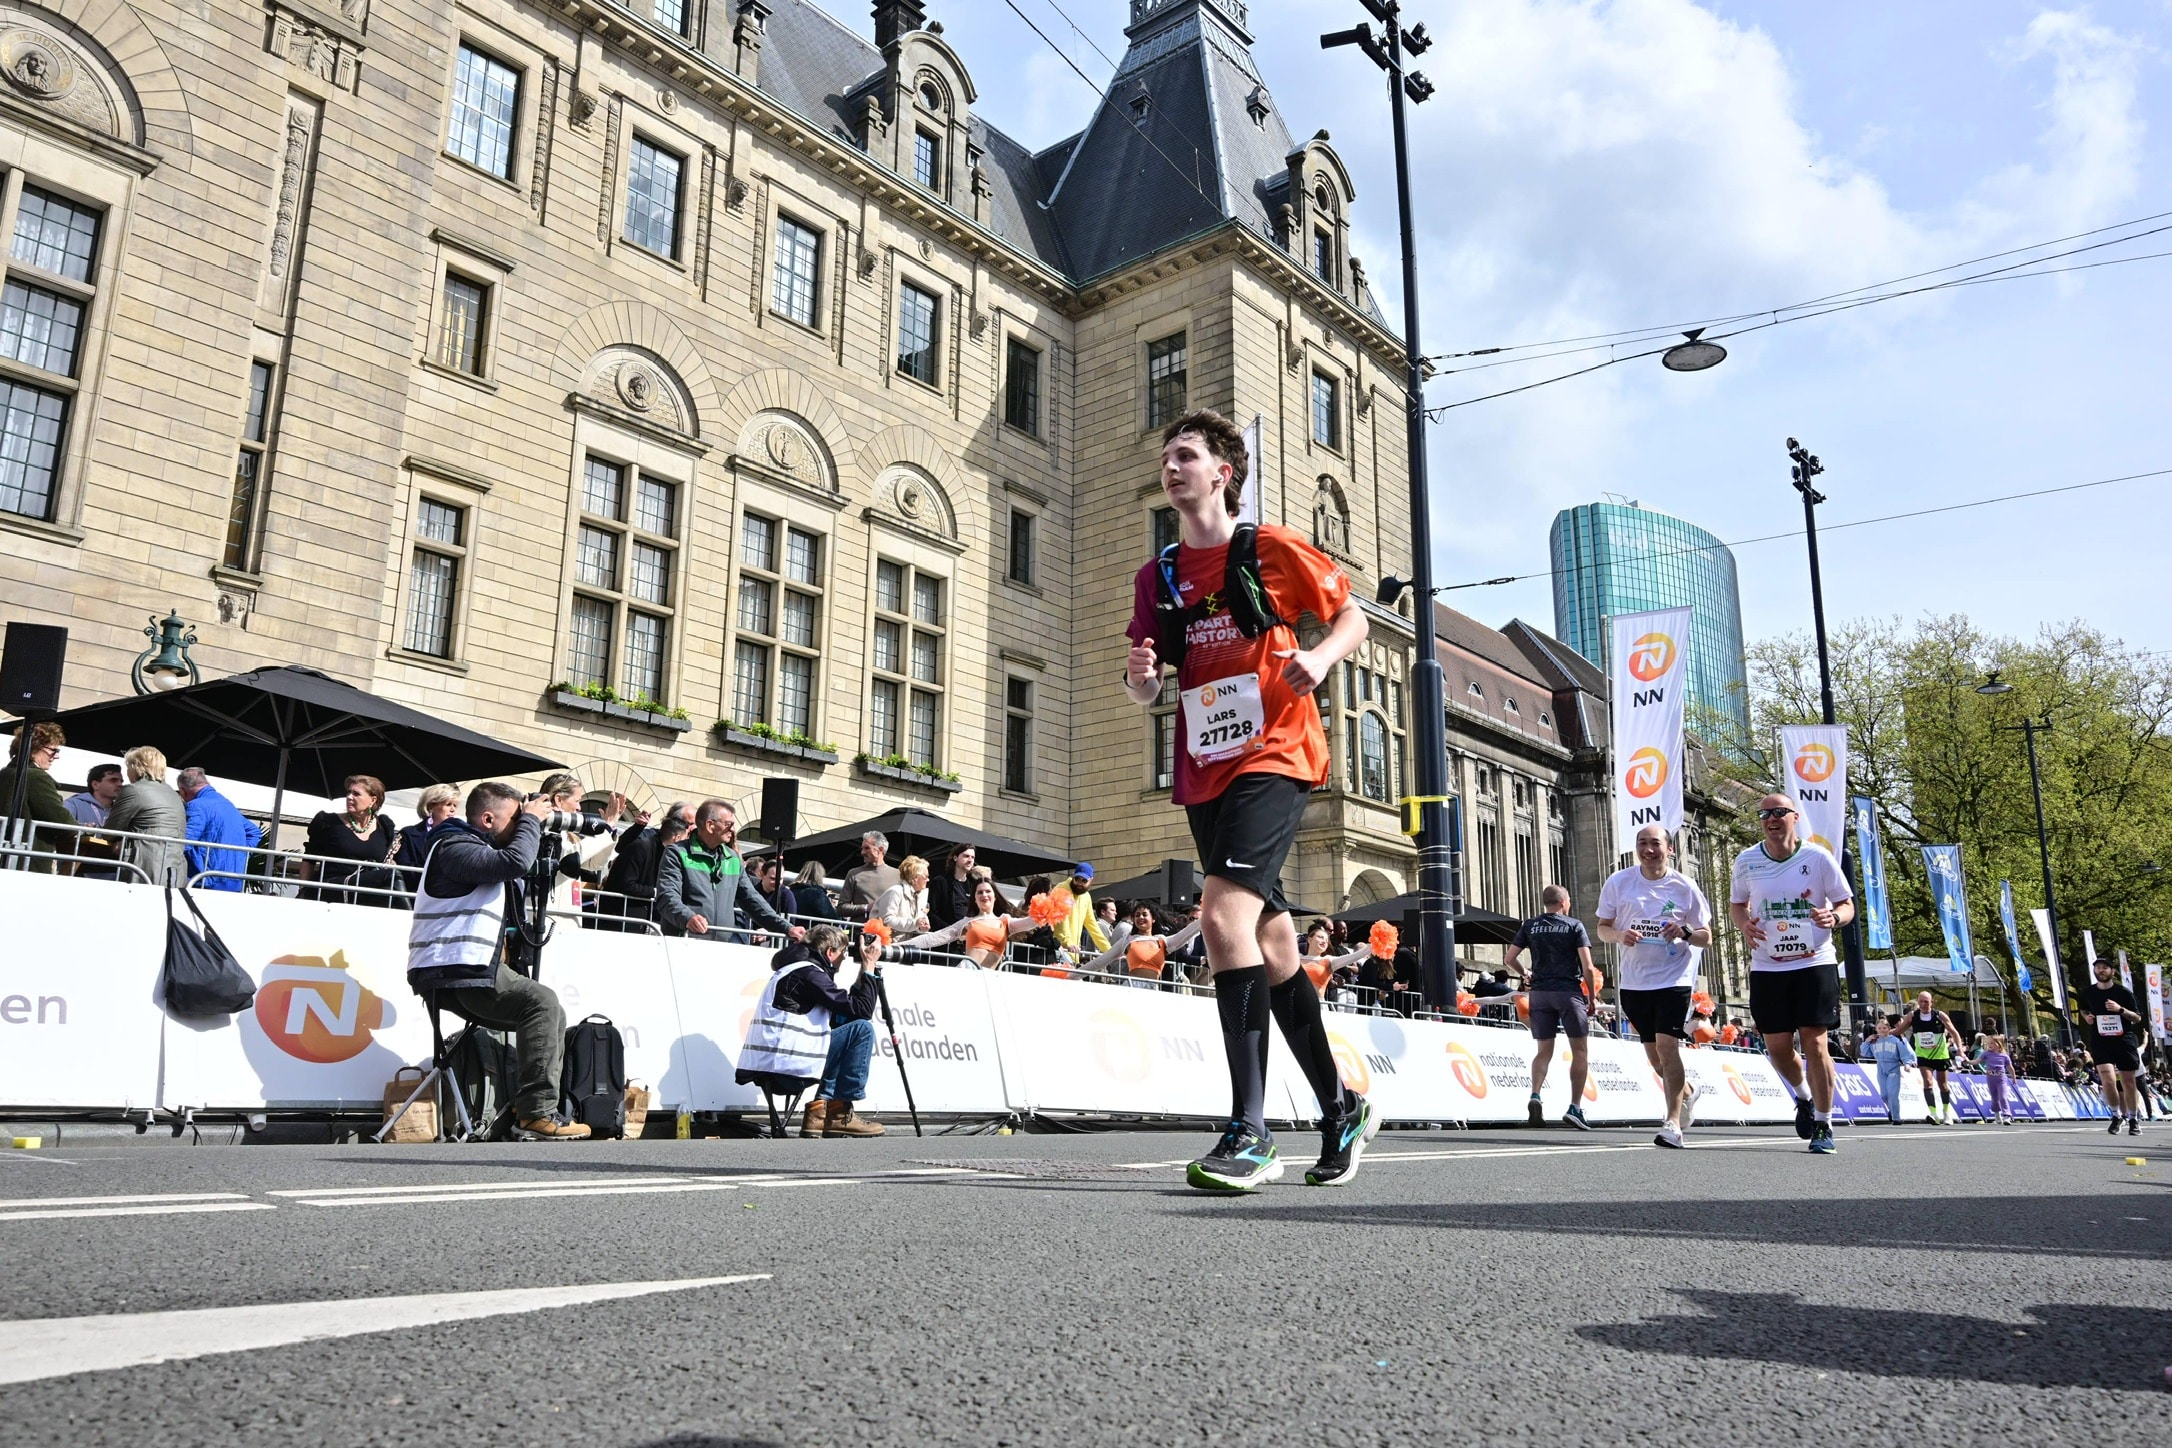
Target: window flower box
x=768 y=741
x=907 y=774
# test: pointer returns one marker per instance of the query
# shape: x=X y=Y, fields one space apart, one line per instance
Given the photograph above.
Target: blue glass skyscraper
x=1616 y=558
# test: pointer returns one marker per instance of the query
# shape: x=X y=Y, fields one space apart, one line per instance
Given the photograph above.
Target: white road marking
x=469 y=1187
x=516 y=1194
x=59 y=1346
x=121 y=1201
x=173 y=1209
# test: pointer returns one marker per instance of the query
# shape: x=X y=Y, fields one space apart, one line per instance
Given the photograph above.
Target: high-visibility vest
x=455 y=930
x=786 y=1043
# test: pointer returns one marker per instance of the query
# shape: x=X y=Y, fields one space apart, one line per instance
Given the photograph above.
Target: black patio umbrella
x=921 y=832
x=295 y=726
x=1473 y=926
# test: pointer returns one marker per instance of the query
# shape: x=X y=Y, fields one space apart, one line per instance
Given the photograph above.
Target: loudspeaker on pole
x=30 y=665
x=780 y=811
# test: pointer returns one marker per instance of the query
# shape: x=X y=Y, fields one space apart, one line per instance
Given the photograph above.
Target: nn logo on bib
x=1651 y=656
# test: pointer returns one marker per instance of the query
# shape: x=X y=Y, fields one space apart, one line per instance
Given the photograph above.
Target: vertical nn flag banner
x=1816 y=778
x=2052 y=967
x=1943 y=864
x=2154 y=976
x=1649 y=679
x=1877 y=915
x=2013 y=937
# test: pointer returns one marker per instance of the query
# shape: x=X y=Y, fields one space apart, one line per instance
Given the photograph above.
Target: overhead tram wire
x=1080 y=33
x=1831 y=527
x=1998 y=274
x=1674 y=328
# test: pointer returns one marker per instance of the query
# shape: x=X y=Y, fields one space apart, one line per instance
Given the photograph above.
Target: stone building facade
x=492 y=355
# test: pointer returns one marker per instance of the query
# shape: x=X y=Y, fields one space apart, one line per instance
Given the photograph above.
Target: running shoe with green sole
x=1242 y=1161
x=1342 y=1147
x=1822 y=1141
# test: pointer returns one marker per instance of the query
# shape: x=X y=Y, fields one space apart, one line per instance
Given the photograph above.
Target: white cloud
x=2093 y=135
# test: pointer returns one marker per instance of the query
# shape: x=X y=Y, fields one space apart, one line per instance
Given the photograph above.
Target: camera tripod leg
x=897 y=1048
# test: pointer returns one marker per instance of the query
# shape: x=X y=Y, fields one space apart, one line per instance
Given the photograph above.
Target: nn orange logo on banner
x=315 y=1011
x=1468 y=1073
x=1350 y=1064
x=1815 y=763
x=1651 y=656
x=1646 y=774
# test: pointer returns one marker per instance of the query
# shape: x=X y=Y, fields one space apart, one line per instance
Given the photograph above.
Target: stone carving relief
x=41 y=68
x=293 y=172
x=786 y=444
x=917 y=498
x=330 y=57
x=635 y=381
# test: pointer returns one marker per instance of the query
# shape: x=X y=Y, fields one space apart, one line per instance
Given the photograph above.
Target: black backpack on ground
x=1243 y=592
x=485 y=1072
x=594 y=1090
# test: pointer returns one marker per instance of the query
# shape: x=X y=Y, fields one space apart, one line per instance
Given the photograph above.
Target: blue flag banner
x=2013 y=936
x=1943 y=864
x=1877 y=918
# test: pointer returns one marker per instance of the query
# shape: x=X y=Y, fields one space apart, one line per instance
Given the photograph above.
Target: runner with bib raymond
x=1222 y=605
x=2114 y=1029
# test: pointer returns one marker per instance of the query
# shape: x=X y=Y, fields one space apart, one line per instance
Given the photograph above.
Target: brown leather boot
x=545 y=1128
x=816 y=1119
x=844 y=1121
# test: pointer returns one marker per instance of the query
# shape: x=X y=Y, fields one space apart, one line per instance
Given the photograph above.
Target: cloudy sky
x=1591 y=166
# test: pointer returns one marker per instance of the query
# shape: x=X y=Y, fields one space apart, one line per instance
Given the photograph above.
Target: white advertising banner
x=1816 y=776
x=1649 y=680
x=2053 y=966
x=78 y=1026
x=2153 y=978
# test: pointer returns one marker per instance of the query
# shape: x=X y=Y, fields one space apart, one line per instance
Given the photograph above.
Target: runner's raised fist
x=1144 y=665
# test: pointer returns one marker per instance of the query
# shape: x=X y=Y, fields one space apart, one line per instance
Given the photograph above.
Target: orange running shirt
x=1286 y=737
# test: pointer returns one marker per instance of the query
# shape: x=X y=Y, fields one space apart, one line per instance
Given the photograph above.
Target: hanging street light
x=166 y=664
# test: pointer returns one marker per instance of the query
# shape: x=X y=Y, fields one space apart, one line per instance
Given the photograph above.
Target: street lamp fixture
x=1993 y=686
x=1692 y=355
x=166 y=664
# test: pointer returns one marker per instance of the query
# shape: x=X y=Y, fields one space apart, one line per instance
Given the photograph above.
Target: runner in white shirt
x=1661 y=921
x=1788 y=898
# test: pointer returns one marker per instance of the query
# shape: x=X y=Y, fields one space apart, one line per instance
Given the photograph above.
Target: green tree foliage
x=1947 y=765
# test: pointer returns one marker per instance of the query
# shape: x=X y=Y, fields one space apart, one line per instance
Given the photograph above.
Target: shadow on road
x=2046 y=1226
x=705 y=1440
x=2064 y=1346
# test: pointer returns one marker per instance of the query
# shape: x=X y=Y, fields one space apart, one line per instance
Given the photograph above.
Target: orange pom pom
x=1701 y=1003
x=1703 y=1034
x=877 y=929
x=1050 y=909
x=1383 y=940
x=1523 y=1008
x=1466 y=1005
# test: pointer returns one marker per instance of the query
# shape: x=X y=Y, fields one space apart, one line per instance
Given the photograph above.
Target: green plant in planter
x=599 y=691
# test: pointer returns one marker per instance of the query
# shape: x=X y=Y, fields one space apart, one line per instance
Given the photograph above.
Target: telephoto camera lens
x=567 y=822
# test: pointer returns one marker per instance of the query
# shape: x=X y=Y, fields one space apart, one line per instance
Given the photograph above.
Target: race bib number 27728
x=1224 y=718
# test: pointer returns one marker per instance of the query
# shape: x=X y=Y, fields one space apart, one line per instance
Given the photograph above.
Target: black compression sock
x=1241 y=997
x=1296 y=1008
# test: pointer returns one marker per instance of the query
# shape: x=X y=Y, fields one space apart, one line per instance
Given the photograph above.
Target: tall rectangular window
x=1166 y=381
x=625 y=567
x=460 y=333
x=48 y=291
x=927 y=160
x=486 y=99
x=911 y=634
x=779 y=618
x=671 y=14
x=652 y=197
x=1323 y=257
x=1161 y=772
x=433 y=577
x=1024 y=527
x=917 y=331
x=793 y=277
x=1167 y=528
x=1022 y=386
x=1018 y=735
x=248 y=470
x=1326 y=411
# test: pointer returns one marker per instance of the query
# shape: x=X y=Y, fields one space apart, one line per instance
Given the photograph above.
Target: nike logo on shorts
x=1234 y=865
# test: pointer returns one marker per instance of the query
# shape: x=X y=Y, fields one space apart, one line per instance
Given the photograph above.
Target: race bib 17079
x=1223 y=719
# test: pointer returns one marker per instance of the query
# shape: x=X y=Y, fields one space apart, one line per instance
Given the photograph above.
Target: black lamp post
x=1436 y=925
x=1806 y=468
x=1993 y=687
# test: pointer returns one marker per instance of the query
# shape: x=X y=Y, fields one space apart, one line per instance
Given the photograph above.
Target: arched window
x=1373 y=757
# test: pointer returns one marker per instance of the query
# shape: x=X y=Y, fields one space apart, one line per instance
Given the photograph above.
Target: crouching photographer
x=469 y=909
x=805 y=1022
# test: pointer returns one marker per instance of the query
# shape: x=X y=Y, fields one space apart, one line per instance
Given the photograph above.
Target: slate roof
x=1135 y=181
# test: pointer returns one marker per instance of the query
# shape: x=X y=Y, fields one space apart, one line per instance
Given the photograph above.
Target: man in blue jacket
x=214 y=822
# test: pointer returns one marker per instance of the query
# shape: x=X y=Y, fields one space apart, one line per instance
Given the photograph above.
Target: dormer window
x=927 y=160
x=1142 y=100
x=1323 y=256
x=1477 y=692
x=1255 y=106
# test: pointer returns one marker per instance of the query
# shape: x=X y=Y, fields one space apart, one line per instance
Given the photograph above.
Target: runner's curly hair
x=1223 y=439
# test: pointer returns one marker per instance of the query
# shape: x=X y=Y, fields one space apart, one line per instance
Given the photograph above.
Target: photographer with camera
x=702 y=887
x=634 y=867
x=806 y=1023
x=468 y=922
x=586 y=844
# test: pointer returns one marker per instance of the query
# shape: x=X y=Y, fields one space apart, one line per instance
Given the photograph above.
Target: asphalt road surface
x=1924 y=1286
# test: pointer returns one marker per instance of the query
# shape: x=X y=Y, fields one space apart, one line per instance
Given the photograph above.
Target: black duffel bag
x=201 y=977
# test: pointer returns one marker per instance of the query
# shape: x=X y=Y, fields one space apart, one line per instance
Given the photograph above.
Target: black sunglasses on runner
x=1774 y=814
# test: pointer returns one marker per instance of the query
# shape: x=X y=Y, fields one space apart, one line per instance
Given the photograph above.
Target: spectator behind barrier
x=147 y=805
x=439 y=803
x=702 y=889
x=220 y=838
x=634 y=866
x=903 y=907
x=361 y=834
x=41 y=797
x=950 y=890
x=811 y=895
x=90 y=805
x=466 y=909
x=865 y=882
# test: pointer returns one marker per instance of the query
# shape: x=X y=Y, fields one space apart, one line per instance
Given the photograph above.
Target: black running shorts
x=1656 y=1013
x=1558 y=1013
x=1806 y=998
x=2118 y=1053
x=1244 y=834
